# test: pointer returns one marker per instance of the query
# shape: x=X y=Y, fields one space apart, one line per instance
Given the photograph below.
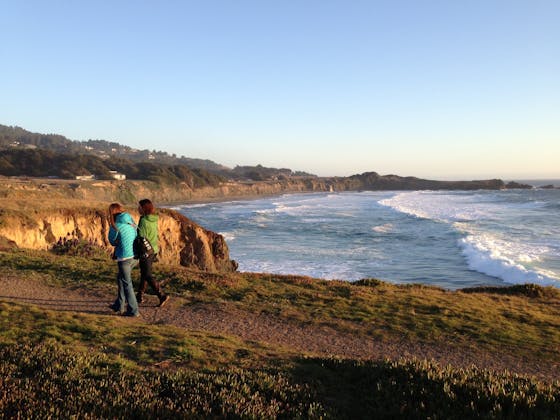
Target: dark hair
x=147 y=206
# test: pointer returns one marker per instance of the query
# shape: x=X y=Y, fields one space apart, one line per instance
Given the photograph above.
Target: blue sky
x=437 y=89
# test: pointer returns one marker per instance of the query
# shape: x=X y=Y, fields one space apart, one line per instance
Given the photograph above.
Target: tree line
x=46 y=163
x=18 y=138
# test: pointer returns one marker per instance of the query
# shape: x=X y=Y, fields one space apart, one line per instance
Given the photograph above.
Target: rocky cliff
x=129 y=192
x=181 y=240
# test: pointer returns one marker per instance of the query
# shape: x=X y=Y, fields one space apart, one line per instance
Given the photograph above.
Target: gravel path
x=308 y=339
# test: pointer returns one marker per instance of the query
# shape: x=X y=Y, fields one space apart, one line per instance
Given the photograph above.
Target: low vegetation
x=56 y=364
x=82 y=365
x=46 y=163
x=526 y=319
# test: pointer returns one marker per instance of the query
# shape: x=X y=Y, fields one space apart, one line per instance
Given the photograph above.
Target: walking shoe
x=163 y=300
x=115 y=308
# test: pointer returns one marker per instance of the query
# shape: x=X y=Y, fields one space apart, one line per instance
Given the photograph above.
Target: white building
x=117 y=175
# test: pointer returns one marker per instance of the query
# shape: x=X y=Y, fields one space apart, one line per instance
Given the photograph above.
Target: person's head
x=146 y=207
x=114 y=209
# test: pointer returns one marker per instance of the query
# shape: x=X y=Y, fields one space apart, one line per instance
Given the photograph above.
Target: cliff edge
x=182 y=241
x=128 y=192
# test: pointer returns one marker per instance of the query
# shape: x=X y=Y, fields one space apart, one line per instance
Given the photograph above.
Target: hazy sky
x=441 y=89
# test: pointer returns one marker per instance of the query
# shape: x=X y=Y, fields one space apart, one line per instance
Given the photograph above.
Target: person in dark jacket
x=148 y=228
x=122 y=232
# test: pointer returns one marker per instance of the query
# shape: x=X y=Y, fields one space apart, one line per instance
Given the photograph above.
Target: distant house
x=117 y=175
x=85 y=177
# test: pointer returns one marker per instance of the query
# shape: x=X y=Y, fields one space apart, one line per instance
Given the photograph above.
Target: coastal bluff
x=130 y=191
x=182 y=241
x=38 y=212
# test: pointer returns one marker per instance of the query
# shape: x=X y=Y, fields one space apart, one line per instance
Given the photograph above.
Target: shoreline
x=248 y=197
x=246 y=239
x=210 y=200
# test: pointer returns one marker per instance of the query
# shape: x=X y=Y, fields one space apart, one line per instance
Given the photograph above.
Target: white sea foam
x=228 y=236
x=502 y=259
x=265 y=211
x=326 y=271
x=488 y=249
x=501 y=236
x=193 y=206
x=439 y=206
x=386 y=228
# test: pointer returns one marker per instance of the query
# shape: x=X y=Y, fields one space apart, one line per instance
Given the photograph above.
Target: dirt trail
x=308 y=339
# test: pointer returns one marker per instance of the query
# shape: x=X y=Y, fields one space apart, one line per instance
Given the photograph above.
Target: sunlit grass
x=64 y=364
x=524 y=318
x=142 y=344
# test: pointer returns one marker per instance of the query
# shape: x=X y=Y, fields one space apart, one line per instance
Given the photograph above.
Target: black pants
x=147 y=277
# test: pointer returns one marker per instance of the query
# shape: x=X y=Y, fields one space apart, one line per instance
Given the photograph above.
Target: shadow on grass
x=420 y=389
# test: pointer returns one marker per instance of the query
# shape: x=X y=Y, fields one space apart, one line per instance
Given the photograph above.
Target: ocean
x=451 y=239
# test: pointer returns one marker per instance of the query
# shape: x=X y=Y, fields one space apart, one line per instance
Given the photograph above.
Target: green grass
x=47 y=376
x=63 y=364
x=526 y=319
x=144 y=345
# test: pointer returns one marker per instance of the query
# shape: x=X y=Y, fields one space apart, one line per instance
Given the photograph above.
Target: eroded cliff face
x=130 y=192
x=182 y=241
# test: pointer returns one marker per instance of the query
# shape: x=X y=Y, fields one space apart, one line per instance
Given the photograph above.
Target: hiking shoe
x=115 y=308
x=130 y=314
x=163 y=300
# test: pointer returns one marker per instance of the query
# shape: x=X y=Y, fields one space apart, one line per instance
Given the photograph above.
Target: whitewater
x=449 y=239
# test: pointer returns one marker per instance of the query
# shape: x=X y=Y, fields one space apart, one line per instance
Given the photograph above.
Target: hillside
x=49 y=155
x=247 y=345
x=19 y=138
x=104 y=155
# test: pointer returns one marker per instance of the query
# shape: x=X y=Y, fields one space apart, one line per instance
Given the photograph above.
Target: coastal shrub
x=424 y=389
x=529 y=290
x=125 y=196
x=78 y=248
x=7 y=244
x=48 y=381
x=368 y=282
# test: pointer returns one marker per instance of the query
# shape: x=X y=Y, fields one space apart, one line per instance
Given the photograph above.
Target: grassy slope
x=210 y=374
x=526 y=319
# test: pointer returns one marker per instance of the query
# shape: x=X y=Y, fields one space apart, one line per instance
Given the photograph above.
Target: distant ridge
x=51 y=155
x=17 y=138
x=13 y=137
x=374 y=181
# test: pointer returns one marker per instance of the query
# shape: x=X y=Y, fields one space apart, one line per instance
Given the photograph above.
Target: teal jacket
x=148 y=228
x=123 y=236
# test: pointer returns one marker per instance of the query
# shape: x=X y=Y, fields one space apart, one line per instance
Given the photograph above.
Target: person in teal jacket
x=122 y=232
x=148 y=228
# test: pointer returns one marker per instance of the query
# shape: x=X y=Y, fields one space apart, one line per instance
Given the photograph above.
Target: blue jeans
x=126 y=290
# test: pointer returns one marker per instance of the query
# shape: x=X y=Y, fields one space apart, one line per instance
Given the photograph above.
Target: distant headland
x=105 y=171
